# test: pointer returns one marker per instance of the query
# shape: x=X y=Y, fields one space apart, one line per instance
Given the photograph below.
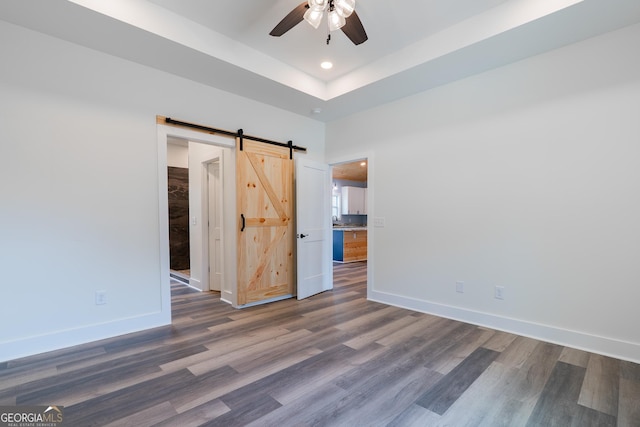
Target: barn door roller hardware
x=288 y=144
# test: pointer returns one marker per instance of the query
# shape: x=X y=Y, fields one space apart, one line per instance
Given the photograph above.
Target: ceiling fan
x=341 y=15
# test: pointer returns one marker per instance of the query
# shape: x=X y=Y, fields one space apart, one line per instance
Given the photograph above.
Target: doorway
x=350 y=208
x=208 y=156
x=203 y=164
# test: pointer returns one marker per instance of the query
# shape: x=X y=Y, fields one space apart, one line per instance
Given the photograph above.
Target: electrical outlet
x=499 y=292
x=460 y=287
x=101 y=297
x=378 y=222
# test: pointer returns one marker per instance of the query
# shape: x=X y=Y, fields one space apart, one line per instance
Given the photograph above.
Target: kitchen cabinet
x=354 y=201
x=350 y=244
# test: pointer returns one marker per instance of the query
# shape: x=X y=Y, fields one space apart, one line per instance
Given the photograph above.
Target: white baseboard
x=195 y=283
x=596 y=344
x=67 y=338
x=226 y=296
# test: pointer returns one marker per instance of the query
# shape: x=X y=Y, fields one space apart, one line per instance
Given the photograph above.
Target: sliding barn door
x=265 y=226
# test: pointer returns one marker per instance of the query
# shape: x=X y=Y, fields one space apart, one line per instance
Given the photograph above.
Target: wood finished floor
x=335 y=359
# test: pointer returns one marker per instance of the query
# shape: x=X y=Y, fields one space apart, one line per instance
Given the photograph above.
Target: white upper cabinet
x=354 y=201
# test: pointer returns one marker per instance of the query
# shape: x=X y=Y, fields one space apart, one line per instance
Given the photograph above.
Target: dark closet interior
x=178 y=218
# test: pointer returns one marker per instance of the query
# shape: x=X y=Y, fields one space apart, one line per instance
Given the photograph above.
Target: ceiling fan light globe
x=318 y=4
x=345 y=7
x=313 y=17
x=336 y=21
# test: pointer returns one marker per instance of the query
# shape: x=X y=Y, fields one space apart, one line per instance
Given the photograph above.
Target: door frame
x=164 y=132
x=213 y=208
x=367 y=156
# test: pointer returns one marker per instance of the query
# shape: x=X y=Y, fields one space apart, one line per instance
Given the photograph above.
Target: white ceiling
x=413 y=45
x=304 y=47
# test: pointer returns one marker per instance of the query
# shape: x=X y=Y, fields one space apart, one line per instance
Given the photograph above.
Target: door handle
x=302 y=236
x=243 y=222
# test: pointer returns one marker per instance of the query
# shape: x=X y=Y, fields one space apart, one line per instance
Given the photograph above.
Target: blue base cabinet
x=338 y=245
x=350 y=244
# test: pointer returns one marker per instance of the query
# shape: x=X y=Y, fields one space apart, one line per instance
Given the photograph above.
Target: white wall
x=178 y=154
x=76 y=216
x=525 y=177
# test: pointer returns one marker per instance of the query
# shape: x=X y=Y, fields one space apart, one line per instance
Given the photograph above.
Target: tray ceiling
x=413 y=45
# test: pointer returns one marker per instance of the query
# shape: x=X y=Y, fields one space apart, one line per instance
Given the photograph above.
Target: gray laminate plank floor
x=334 y=359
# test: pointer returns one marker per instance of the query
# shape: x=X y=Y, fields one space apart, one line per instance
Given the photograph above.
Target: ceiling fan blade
x=291 y=20
x=354 y=29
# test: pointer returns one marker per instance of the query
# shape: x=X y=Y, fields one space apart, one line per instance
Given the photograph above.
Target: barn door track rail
x=239 y=134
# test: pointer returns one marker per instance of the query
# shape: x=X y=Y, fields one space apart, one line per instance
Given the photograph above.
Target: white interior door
x=215 y=225
x=313 y=222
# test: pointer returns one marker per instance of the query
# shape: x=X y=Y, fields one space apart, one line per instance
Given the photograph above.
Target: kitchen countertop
x=349 y=228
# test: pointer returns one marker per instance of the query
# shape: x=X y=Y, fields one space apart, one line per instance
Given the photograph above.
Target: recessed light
x=327 y=65
x=363 y=164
